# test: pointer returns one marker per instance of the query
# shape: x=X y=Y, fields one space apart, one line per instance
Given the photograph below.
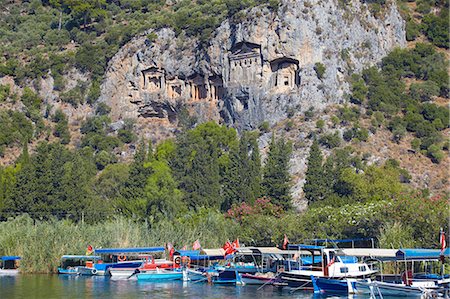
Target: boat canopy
x=189 y=253
x=418 y=254
x=129 y=250
x=374 y=253
x=341 y=240
x=10 y=258
x=80 y=257
x=218 y=251
x=303 y=246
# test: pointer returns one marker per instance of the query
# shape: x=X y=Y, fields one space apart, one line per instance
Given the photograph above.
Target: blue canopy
x=303 y=246
x=341 y=240
x=10 y=258
x=208 y=257
x=189 y=253
x=80 y=257
x=129 y=250
x=418 y=254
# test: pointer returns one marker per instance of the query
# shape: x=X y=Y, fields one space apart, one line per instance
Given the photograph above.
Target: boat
x=322 y=285
x=318 y=261
x=9 y=265
x=147 y=263
x=71 y=264
x=259 y=278
x=123 y=261
x=381 y=289
x=160 y=275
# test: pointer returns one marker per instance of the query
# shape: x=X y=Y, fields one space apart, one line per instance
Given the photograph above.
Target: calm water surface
x=54 y=286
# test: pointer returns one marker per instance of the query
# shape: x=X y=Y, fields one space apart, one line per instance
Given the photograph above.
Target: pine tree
x=314 y=187
x=132 y=201
x=276 y=181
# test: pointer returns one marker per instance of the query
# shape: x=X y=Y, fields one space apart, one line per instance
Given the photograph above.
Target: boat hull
x=9 y=272
x=333 y=286
x=156 y=276
x=295 y=281
x=391 y=289
x=73 y=271
x=122 y=273
x=257 y=280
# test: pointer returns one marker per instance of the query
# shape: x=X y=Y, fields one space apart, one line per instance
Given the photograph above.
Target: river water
x=54 y=286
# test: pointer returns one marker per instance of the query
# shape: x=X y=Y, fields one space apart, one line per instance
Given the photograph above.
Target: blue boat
x=160 y=275
x=71 y=264
x=334 y=286
x=9 y=265
x=123 y=258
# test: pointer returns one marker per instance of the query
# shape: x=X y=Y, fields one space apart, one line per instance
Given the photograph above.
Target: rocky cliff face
x=262 y=68
x=258 y=69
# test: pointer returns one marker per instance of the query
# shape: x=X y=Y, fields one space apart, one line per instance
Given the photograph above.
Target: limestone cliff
x=254 y=70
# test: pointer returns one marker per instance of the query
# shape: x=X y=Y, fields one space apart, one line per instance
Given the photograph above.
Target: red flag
x=169 y=246
x=171 y=252
x=228 y=247
x=89 y=250
x=285 y=242
x=442 y=241
x=235 y=244
x=196 y=245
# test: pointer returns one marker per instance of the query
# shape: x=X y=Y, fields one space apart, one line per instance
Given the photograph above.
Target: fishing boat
x=9 y=265
x=70 y=264
x=160 y=275
x=318 y=261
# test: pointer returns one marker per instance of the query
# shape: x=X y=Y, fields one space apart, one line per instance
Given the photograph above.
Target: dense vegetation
x=391 y=103
x=42 y=36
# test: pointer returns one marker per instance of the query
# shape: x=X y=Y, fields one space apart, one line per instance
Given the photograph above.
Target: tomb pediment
x=244 y=49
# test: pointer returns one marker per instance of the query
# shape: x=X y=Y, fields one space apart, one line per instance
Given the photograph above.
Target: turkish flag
x=196 y=245
x=285 y=242
x=442 y=241
x=228 y=247
x=236 y=244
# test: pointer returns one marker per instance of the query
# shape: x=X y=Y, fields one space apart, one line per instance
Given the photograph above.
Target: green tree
x=276 y=181
x=314 y=182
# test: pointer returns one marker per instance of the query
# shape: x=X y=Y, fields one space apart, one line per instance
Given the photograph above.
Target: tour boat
x=9 y=265
x=123 y=261
x=318 y=261
x=160 y=275
x=71 y=264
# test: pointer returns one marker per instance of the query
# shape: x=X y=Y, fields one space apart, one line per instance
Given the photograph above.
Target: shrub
x=434 y=151
x=320 y=70
x=330 y=140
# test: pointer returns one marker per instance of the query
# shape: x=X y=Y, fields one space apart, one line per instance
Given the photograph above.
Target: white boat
x=9 y=265
x=321 y=262
x=379 y=289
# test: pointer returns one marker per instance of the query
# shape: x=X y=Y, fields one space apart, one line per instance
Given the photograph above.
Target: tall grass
x=42 y=243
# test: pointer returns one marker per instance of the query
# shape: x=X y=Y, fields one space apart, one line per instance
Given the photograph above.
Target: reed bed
x=42 y=243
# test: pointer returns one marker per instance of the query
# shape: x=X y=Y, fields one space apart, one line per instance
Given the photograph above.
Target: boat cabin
x=9 y=265
x=70 y=263
x=9 y=262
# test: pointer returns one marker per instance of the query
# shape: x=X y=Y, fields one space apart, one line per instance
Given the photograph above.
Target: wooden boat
x=380 y=289
x=159 y=275
x=124 y=259
x=258 y=278
x=9 y=265
x=323 y=285
x=318 y=261
x=70 y=264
